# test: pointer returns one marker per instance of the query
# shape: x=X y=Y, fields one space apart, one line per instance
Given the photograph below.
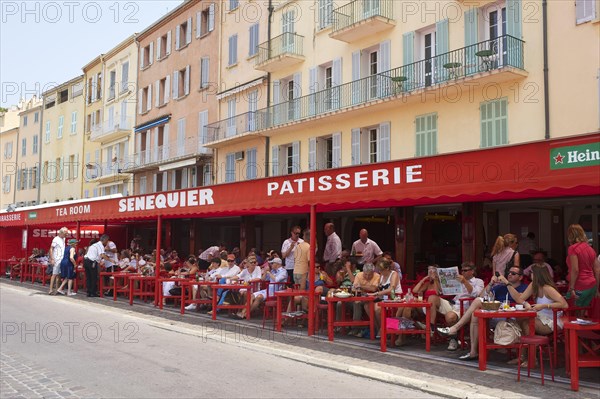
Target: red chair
x=464 y=304
x=38 y=272
x=532 y=341
x=270 y=303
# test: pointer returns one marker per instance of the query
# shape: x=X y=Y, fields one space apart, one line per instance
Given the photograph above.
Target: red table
x=485 y=315
x=231 y=287
x=187 y=293
x=160 y=290
x=389 y=305
x=289 y=293
x=331 y=307
x=575 y=360
x=147 y=287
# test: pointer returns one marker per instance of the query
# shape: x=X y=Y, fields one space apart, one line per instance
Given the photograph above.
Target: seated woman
x=124 y=261
x=389 y=285
x=322 y=280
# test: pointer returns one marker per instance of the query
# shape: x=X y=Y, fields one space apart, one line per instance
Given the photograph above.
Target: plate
x=342 y=295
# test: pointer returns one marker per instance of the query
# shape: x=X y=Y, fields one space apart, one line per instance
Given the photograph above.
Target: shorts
x=549 y=321
x=446 y=307
x=299 y=276
x=56 y=269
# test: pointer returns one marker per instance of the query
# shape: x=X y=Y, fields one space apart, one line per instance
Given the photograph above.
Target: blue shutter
x=443 y=45
x=408 y=57
x=471 y=21
x=356 y=84
x=312 y=88
x=513 y=18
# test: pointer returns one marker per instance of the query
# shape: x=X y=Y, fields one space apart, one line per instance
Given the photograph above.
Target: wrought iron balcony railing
x=361 y=10
x=286 y=43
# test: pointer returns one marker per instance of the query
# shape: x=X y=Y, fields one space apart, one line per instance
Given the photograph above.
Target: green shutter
x=471 y=20
x=426 y=137
x=408 y=57
x=494 y=123
x=513 y=18
x=442 y=48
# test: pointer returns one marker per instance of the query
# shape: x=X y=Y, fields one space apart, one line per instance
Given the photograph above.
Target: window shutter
x=296 y=157
x=355 y=146
x=188 y=33
x=155 y=182
x=442 y=43
x=125 y=77
x=336 y=150
x=198 y=24
x=175 y=84
x=513 y=18
x=76 y=167
x=211 y=17
x=356 y=89
x=383 y=145
x=18 y=185
x=181 y=137
x=157 y=94
x=471 y=20
x=123 y=121
x=168 y=42
x=312 y=88
x=177 y=37
x=158 y=47
x=142 y=58
x=202 y=129
x=111 y=117
x=94 y=85
x=383 y=66
x=149 y=102
x=151 y=56
x=584 y=10
x=187 y=80
x=204 y=72
x=408 y=57
x=312 y=154
x=140 y=102
x=297 y=94
x=275 y=160
x=336 y=77
x=165 y=181
x=167 y=88
x=276 y=92
x=207 y=174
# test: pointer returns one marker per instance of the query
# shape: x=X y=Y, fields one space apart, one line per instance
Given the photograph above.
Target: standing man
x=301 y=260
x=526 y=249
x=366 y=248
x=91 y=262
x=111 y=252
x=333 y=248
x=288 y=248
x=205 y=258
x=56 y=253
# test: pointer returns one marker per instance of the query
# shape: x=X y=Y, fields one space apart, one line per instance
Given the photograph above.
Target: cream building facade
x=93 y=125
x=62 y=142
x=9 y=141
x=29 y=154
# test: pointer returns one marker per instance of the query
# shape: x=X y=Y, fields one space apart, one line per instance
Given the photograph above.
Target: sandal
x=468 y=357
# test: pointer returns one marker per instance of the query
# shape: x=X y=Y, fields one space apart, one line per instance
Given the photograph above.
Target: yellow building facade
x=29 y=154
x=9 y=142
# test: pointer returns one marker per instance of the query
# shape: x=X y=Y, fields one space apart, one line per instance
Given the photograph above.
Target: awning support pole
x=311 y=272
x=157 y=263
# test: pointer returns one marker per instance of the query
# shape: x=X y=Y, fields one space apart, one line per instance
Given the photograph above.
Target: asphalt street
x=64 y=347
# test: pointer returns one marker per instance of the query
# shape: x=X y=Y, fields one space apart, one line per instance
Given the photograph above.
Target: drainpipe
x=16 y=163
x=267 y=138
x=41 y=172
x=546 y=94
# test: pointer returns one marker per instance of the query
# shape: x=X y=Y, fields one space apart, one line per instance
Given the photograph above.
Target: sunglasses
x=514 y=274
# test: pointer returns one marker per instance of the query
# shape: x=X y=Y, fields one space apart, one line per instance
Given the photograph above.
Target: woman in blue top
x=67 y=267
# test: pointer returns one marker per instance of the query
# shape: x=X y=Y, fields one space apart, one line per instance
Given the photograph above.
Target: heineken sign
x=575 y=156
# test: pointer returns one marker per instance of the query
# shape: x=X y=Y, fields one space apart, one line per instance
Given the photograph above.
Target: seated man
x=366 y=281
x=277 y=276
x=539 y=257
x=497 y=288
x=472 y=287
x=205 y=291
x=322 y=280
x=251 y=274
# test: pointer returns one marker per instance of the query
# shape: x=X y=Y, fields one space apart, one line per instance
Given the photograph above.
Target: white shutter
x=149 y=102
x=296 y=157
x=211 y=17
x=312 y=154
x=155 y=182
x=188 y=36
x=384 y=66
x=175 y=85
x=181 y=137
x=140 y=102
x=76 y=167
x=276 y=92
x=165 y=181
x=202 y=130
x=151 y=56
x=204 y=71
x=336 y=77
x=356 y=89
x=275 y=160
x=18 y=184
x=111 y=117
x=123 y=121
x=165 y=151
x=198 y=24
x=584 y=10
x=336 y=150
x=355 y=146
x=142 y=58
x=187 y=80
x=312 y=88
x=177 y=37
x=167 y=88
x=94 y=85
x=168 y=43
x=158 y=47
x=157 y=93
x=383 y=142
x=297 y=94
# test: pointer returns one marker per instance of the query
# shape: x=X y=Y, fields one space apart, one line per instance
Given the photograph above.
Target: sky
x=45 y=43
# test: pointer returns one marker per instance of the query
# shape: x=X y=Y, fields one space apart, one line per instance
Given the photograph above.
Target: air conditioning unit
x=239 y=156
x=33 y=203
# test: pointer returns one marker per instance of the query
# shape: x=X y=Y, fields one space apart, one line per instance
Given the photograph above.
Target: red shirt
x=585 y=256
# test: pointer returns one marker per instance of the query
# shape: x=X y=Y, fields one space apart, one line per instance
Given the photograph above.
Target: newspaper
x=449 y=281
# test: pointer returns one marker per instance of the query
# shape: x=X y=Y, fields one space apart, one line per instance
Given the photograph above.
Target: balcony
x=112 y=129
x=107 y=171
x=361 y=18
x=280 y=52
x=500 y=59
x=167 y=153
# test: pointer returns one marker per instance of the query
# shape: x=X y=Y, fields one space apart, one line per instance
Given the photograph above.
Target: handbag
x=507 y=333
x=509 y=264
x=49 y=270
x=175 y=291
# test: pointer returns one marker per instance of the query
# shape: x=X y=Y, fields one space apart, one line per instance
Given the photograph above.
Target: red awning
x=503 y=173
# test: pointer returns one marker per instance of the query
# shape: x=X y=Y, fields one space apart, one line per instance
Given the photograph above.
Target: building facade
x=62 y=142
x=29 y=154
x=9 y=139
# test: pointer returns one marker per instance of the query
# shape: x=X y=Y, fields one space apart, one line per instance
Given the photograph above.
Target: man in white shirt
x=224 y=274
x=288 y=249
x=366 y=248
x=276 y=275
x=472 y=287
x=91 y=260
x=56 y=253
x=333 y=248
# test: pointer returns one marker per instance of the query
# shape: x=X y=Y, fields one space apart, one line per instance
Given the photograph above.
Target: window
x=63 y=96
x=371 y=144
x=34 y=146
x=324 y=152
x=325 y=13
x=163 y=46
x=61 y=122
x=8 y=147
x=494 y=123
x=204 y=72
x=23 y=147
x=233 y=4
x=35 y=178
x=288 y=29
x=145 y=99
x=253 y=46
x=286 y=159
x=90 y=90
x=183 y=34
x=181 y=147
x=147 y=55
x=125 y=77
x=251 y=165
x=252 y=108
x=47 y=139
x=426 y=126
x=25 y=120
x=181 y=82
x=143 y=181
x=585 y=10
x=77 y=89
x=50 y=102
x=162 y=91
x=111 y=86
x=230 y=168
x=36 y=117
x=205 y=21
x=207 y=174
x=202 y=126
x=232 y=50
x=231 y=126
x=74 y=122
